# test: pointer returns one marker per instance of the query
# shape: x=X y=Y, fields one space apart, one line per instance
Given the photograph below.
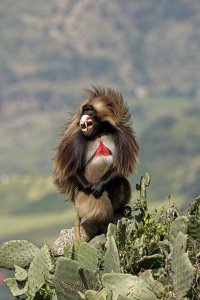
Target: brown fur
x=71 y=155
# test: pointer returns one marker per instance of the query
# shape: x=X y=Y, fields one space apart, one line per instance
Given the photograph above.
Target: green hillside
x=170 y=150
x=33 y=209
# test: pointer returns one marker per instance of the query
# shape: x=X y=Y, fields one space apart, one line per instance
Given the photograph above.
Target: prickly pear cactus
x=111 y=259
x=183 y=271
x=71 y=278
x=17 y=285
x=84 y=253
x=17 y=252
x=155 y=286
x=194 y=220
x=154 y=261
x=129 y=286
x=102 y=295
x=20 y=274
x=195 y=208
x=144 y=182
x=40 y=272
x=38 y=276
x=178 y=225
x=194 y=227
x=139 y=208
x=76 y=271
x=15 y=288
x=121 y=233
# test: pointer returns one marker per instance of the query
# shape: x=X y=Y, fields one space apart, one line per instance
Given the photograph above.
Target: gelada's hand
x=97 y=190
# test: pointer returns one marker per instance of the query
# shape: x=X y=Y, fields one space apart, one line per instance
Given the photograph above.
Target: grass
x=28 y=226
x=33 y=209
x=22 y=191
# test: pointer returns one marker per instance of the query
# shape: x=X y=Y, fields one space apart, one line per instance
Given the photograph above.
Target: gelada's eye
x=87 y=109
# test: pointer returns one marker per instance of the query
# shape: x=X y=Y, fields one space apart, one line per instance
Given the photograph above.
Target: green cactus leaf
x=109 y=295
x=144 y=183
x=71 y=277
x=93 y=295
x=111 y=259
x=155 y=286
x=20 y=273
x=17 y=252
x=129 y=286
x=84 y=253
x=88 y=256
x=179 y=224
x=121 y=232
x=183 y=271
x=154 y=261
x=193 y=227
x=48 y=259
x=125 y=298
x=69 y=250
x=179 y=246
x=195 y=208
x=40 y=271
x=54 y=297
x=14 y=288
x=65 y=293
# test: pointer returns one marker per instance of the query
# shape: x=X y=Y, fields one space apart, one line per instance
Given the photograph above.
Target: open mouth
x=86 y=123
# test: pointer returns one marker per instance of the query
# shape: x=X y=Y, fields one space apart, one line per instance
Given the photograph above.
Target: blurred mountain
x=143 y=47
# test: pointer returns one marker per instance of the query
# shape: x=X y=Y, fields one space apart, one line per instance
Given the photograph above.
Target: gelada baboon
x=95 y=154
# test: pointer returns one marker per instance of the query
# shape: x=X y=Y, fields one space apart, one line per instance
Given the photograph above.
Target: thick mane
x=69 y=157
x=120 y=115
x=96 y=92
x=126 y=150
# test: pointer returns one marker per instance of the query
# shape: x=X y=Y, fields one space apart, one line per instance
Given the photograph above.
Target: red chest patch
x=102 y=150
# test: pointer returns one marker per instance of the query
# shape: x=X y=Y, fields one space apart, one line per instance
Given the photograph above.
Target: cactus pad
x=111 y=259
x=40 y=271
x=129 y=286
x=71 y=277
x=20 y=273
x=17 y=252
x=84 y=253
x=179 y=224
x=14 y=288
x=183 y=271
